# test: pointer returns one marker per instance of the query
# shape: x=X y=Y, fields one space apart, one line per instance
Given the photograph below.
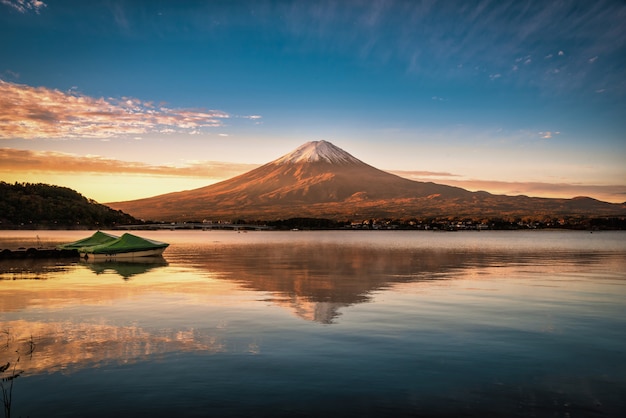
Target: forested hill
x=24 y=205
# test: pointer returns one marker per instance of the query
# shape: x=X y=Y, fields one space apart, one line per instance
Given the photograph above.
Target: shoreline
x=22 y=253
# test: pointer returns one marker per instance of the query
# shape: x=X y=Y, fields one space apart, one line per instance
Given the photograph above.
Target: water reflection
x=68 y=346
x=316 y=281
x=126 y=269
x=32 y=268
x=312 y=281
x=266 y=323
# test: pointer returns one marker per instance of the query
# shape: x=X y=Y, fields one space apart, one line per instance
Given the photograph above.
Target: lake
x=321 y=323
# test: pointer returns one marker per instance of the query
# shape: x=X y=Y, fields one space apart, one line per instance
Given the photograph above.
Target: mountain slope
x=319 y=179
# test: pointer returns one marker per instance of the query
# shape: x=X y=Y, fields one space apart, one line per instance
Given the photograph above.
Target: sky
x=121 y=100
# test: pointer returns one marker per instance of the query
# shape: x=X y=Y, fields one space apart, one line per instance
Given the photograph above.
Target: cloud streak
x=491 y=35
x=419 y=174
x=24 y=6
x=56 y=162
x=39 y=112
x=548 y=134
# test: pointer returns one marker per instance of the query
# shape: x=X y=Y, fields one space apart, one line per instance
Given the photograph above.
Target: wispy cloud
x=423 y=37
x=254 y=118
x=24 y=6
x=57 y=162
x=548 y=134
x=12 y=74
x=38 y=112
x=119 y=15
x=432 y=38
x=414 y=174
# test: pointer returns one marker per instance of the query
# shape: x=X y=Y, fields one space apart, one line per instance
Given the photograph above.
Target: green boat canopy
x=98 y=238
x=127 y=243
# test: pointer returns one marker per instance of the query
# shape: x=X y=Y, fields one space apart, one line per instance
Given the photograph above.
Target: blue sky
x=127 y=99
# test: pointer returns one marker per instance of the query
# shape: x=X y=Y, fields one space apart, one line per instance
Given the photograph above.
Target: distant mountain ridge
x=319 y=179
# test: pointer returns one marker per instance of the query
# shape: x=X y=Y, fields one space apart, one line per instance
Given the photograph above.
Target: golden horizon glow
x=112 y=180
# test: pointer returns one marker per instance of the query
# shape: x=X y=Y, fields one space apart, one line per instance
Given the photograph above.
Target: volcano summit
x=321 y=180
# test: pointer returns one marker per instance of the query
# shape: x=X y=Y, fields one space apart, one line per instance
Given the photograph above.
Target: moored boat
x=126 y=247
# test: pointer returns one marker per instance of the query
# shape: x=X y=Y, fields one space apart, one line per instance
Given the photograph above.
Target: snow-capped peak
x=316 y=151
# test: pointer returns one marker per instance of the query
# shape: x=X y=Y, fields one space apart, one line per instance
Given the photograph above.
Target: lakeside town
x=389 y=224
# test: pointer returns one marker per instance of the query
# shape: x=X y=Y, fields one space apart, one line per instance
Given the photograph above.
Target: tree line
x=38 y=205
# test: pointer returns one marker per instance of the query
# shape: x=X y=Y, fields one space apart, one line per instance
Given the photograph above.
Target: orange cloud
x=38 y=112
x=417 y=174
x=24 y=6
x=14 y=160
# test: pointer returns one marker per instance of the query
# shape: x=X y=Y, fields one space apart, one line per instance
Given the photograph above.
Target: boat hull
x=152 y=252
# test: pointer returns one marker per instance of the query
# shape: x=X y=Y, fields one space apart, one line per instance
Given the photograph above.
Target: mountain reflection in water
x=316 y=280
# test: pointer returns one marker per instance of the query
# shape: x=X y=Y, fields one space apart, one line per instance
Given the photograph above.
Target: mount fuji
x=319 y=179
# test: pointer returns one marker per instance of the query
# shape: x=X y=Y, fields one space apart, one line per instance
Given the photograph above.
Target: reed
x=9 y=372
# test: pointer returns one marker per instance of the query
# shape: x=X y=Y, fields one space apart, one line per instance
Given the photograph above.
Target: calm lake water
x=341 y=324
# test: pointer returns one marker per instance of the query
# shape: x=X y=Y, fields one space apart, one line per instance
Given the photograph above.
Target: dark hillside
x=26 y=205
